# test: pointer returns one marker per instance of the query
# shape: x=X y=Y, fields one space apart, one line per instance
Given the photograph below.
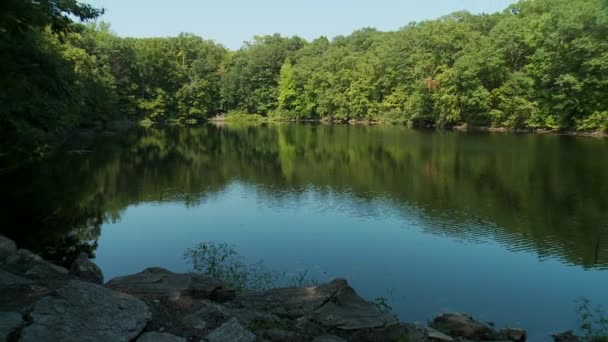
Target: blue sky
x=230 y=22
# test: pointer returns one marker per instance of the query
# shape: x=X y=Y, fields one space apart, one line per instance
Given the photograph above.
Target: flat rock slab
x=292 y=302
x=160 y=282
x=348 y=311
x=231 y=331
x=461 y=325
x=159 y=337
x=9 y=322
x=436 y=335
x=82 y=311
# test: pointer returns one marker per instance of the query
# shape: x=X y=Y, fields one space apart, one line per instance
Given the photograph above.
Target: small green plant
x=222 y=261
x=593 y=320
x=301 y=279
x=383 y=304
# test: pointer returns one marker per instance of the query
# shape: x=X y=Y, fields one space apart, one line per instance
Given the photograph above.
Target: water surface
x=511 y=228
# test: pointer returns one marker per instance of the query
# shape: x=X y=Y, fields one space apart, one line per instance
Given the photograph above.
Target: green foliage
x=593 y=320
x=542 y=67
x=596 y=122
x=222 y=261
x=238 y=116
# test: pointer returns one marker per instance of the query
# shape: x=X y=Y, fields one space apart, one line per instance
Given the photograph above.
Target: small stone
x=86 y=270
x=513 y=334
x=9 y=322
x=436 y=335
x=231 y=331
x=159 y=337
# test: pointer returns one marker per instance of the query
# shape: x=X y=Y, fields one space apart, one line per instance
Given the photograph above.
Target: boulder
x=29 y=265
x=231 y=331
x=457 y=324
x=159 y=282
x=436 y=335
x=292 y=302
x=8 y=279
x=513 y=334
x=7 y=247
x=82 y=311
x=86 y=270
x=9 y=322
x=567 y=336
x=153 y=336
x=348 y=311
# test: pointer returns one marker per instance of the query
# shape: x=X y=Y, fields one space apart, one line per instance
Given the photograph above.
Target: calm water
x=510 y=228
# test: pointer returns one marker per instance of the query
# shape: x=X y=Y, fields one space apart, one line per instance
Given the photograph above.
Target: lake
x=511 y=228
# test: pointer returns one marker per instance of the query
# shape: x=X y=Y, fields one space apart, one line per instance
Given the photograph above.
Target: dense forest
x=537 y=64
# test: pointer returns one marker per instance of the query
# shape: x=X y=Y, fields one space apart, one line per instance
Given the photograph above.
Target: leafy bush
x=244 y=117
x=597 y=122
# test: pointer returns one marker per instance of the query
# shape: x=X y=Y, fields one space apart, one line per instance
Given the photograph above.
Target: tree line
x=537 y=64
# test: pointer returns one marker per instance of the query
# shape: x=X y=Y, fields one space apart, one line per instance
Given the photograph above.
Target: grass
x=222 y=261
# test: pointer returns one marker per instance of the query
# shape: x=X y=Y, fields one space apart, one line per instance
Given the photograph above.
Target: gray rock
x=348 y=311
x=158 y=282
x=396 y=332
x=461 y=325
x=248 y=316
x=9 y=322
x=153 y=336
x=7 y=247
x=29 y=265
x=328 y=338
x=194 y=321
x=514 y=334
x=7 y=279
x=231 y=331
x=567 y=336
x=436 y=335
x=292 y=302
x=86 y=270
x=280 y=335
x=82 y=311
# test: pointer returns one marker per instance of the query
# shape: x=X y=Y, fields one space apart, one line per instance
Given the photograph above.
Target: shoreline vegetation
x=41 y=301
x=536 y=66
x=244 y=118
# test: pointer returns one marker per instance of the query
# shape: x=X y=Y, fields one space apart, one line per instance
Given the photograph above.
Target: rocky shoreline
x=40 y=301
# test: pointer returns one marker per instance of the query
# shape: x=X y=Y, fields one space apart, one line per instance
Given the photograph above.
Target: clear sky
x=231 y=22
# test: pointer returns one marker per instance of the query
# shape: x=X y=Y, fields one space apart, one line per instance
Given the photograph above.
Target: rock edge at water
x=40 y=301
